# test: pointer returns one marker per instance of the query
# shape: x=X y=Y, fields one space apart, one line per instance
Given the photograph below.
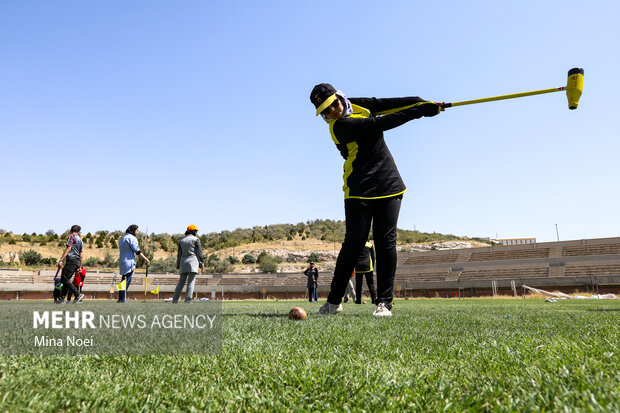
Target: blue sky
x=167 y=113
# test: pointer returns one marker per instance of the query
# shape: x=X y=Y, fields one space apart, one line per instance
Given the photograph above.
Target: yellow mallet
x=573 y=89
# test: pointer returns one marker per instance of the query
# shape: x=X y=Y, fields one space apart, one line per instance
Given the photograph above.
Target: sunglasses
x=328 y=109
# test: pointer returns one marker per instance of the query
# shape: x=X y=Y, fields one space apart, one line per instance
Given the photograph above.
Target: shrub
x=92 y=262
x=268 y=264
x=291 y=258
x=261 y=256
x=165 y=245
x=140 y=261
x=212 y=259
x=216 y=265
x=248 y=259
x=30 y=257
x=49 y=261
x=314 y=257
x=220 y=266
x=161 y=266
x=109 y=261
x=12 y=241
x=233 y=260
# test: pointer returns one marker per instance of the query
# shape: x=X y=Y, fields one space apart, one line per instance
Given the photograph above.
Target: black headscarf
x=131 y=229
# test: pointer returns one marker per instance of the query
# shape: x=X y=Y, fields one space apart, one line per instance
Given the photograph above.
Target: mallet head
x=574 y=87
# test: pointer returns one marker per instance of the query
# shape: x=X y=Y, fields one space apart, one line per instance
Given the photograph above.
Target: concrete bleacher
x=507 y=254
x=16 y=277
x=591 y=270
x=420 y=276
x=505 y=273
x=568 y=264
x=424 y=259
x=596 y=249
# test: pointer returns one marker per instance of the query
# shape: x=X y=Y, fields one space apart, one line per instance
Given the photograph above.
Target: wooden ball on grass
x=297 y=313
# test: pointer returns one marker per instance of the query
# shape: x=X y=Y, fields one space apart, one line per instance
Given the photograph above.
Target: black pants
x=69 y=293
x=360 y=214
x=68 y=271
x=359 y=281
x=312 y=293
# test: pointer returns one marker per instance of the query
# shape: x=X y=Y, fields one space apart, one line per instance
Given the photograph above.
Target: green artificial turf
x=432 y=355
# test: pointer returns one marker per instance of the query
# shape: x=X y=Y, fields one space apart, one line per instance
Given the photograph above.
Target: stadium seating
x=600 y=249
x=508 y=254
x=554 y=264
x=423 y=259
x=504 y=273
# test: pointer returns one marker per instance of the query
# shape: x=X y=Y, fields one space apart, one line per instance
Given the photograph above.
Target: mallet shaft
x=503 y=97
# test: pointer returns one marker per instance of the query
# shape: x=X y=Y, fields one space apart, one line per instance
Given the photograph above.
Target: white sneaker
x=327 y=309
x=382 y=311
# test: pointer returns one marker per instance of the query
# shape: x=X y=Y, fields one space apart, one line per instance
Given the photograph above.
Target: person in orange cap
x=189 y=262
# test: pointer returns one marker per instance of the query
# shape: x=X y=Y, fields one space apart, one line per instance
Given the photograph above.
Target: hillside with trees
x=270 y=248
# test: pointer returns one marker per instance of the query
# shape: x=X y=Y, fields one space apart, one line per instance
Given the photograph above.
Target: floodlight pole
x=556 y=232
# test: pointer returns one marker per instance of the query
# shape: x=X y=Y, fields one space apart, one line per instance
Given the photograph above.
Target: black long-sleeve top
x=369 y=170
x=313 y=276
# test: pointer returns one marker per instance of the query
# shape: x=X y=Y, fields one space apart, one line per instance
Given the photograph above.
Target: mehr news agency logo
x=86 y=320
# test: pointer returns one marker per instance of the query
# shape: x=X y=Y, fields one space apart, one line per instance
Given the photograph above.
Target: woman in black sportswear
x=373 y=188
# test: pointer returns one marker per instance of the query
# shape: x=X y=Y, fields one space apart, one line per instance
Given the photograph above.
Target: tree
x=221 y=267
x=232 y=259
x=268 y=264
x=248 y=259
x=167 y=265
x=109 y=261
x=261 y=256
x=92 y=262
x=148 y=253
x=30 y=257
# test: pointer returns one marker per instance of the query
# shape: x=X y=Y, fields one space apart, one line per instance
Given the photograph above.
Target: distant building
x=516 y=241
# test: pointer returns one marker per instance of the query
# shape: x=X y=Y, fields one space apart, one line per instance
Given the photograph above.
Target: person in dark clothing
x=364 y=268
x=313 y=275
x=73 y=253
x=373 y=188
